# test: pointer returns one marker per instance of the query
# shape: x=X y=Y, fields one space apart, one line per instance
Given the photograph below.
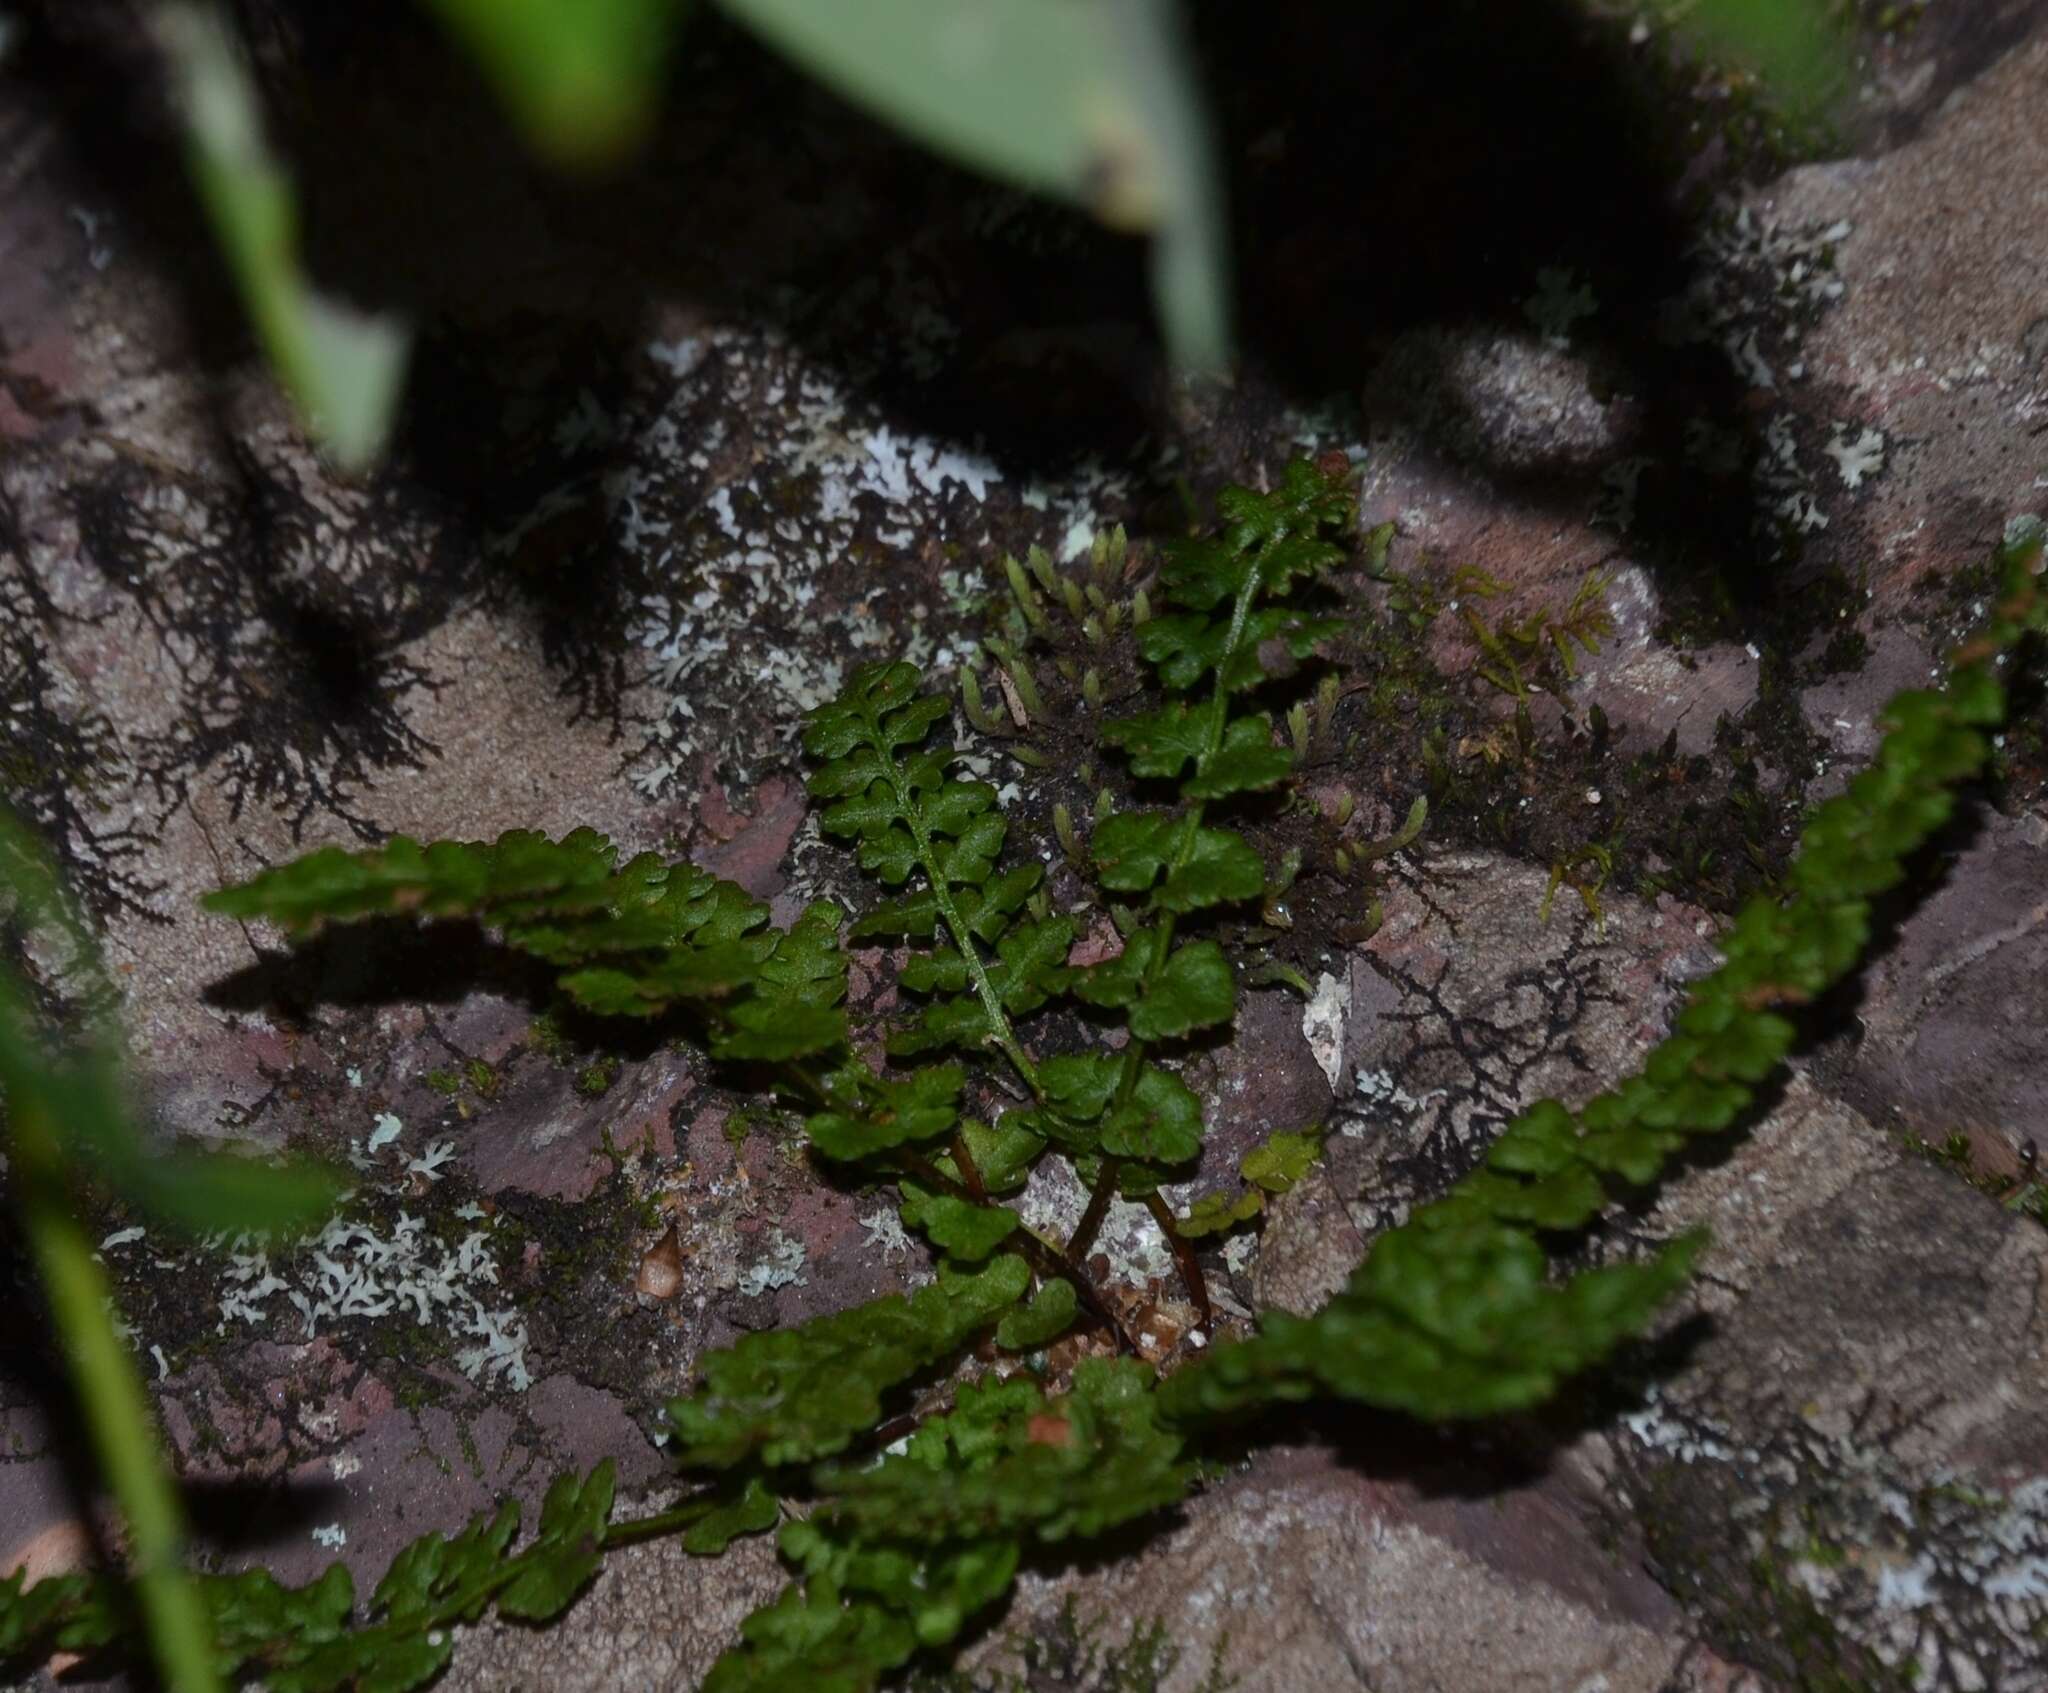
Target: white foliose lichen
x=1859 y=459
x=352 y=1270
x=1942 y=1575
x=761 y=472
x=781 y=1265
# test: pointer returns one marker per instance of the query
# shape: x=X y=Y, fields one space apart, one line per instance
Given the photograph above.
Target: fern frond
x=789 y=1396
x=1453 y=1314
x=631 y=941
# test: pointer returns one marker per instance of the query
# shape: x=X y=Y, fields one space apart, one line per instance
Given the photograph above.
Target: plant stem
x=970 y=1175
x=1184 y=1260
x=115 y=1408
x=1000 y=1031
x=1043 y=1255
x=1090 y=1224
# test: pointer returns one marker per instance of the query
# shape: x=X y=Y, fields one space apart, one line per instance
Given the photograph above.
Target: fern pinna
x=1457 y=1313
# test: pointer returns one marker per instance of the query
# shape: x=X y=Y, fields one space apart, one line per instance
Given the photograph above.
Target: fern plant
x=908 y=1528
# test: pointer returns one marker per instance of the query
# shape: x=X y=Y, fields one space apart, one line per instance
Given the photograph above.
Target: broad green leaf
x=753 y=1509
x=1132 y=848
x=1080 y=1084
x=1116 y=982
x=1094 y=104
x=1003 y=1152
x=582 y=77
x=1221 y=869
x=342 y=368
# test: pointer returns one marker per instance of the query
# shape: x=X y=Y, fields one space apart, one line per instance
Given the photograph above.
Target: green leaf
x=964 y=1232
x=1306 y=503
x=203 y=1193
x=1282 y=1160
x=789 y=1396
x=1004 y=1153
x=1060 y=96
x=402 y=877
x=1806 y=58
x=752 y=1509
x=1201 y=574
x=581 y=77
x=342 y=368
x=810 y=1639
x=1030 y=962
x=676 y=977
x=915 y=915
x=1214 y=1213
x=1246 y=762
x=945 y=1023
x=1132 y=848
x=565 y=1552
x=1044 y=1320
x=988 y=909
x=1081 y=1083
x=1195 y=990
x=1162 y=742
x=1058 y=1469
x=871 y=1113
x=668 y=933
x=1221 y=869
x=794 y=1009
x=1116 y=982
x=1162 y=1124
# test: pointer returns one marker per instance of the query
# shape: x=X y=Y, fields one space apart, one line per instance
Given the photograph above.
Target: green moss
x=546 y=1036
x=1070 y=1654
x=595 y=1080
x=2024 y=1193
x=1847 y=653
x=445 y=1082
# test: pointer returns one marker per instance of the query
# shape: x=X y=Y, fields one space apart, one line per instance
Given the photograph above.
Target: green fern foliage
x=305 y=1639
x=898 y=1544
x=1453 y=1314
x=789 y=1396
x=630 y=940
x=902 y=1554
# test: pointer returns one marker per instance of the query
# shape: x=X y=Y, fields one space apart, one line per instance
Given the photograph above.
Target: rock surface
x=657 y=496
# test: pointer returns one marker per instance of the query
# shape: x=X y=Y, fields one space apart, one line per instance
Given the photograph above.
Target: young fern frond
x=895 y=798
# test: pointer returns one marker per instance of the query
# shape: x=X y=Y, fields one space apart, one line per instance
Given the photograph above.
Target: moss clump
x=1071 y=1654
x=595 y=1080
